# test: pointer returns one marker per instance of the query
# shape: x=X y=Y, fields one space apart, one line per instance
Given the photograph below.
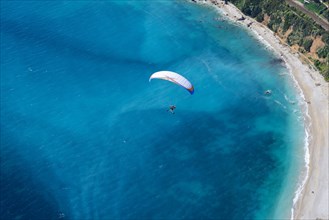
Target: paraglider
x=172 y=109
x=175 y=78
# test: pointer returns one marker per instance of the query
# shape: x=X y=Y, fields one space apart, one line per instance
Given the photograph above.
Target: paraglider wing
x=175 y=78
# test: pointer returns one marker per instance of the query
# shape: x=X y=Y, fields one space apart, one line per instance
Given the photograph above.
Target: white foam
x=307 y=123
x=279 y=103
x=288 y=99
x=302 y=181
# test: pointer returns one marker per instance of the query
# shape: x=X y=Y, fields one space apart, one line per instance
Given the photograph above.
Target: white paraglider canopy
x=175 y=78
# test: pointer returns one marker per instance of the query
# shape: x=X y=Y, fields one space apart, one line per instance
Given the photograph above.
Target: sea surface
x=85 y=135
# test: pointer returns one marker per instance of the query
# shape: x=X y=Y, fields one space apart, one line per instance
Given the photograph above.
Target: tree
x=307 y=44
x=323 y=52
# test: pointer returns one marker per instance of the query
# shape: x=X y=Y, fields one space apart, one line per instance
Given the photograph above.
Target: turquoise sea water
x=84 y=135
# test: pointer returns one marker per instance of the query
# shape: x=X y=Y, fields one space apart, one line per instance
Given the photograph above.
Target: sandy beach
x=311 y=199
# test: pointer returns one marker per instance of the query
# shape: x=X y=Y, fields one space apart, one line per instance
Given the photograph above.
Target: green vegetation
x=316 y=6
x=307 y=43
x=325 y=14
x=323 y=51
x=323 y=68
x=284 y=18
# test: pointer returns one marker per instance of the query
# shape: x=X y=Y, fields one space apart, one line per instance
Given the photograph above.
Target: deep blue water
x=84 y=134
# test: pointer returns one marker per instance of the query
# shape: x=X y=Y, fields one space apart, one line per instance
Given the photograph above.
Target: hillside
x=295 y=28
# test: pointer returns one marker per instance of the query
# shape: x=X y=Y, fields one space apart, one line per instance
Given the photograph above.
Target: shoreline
x=311 y=196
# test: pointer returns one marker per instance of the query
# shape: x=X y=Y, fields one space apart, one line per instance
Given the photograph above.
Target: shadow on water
x=176 y=167
x=145 y=164
x=35 y=34
x=23 y=194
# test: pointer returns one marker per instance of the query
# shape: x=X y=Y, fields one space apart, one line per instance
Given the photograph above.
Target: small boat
x=268 y=92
